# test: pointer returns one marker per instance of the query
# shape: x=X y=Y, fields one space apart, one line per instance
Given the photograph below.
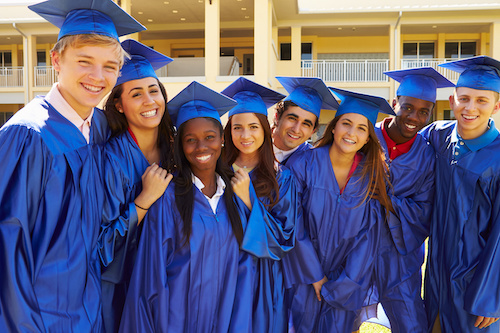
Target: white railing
x=11 y=77
x=346 y=70
x=45 y=76
x=434 y=62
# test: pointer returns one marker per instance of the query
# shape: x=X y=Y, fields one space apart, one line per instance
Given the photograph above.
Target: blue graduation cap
x=251 y=97
x=142 y=63
x=366 y=105
x=481 y=73
x=419 y=83
x=197 y=100
x=75 y=17
x=309 y=93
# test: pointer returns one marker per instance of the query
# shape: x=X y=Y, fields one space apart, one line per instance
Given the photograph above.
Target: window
x=306 y=51
x=448 y=115
x=5 y=59
x=4 y=116
x=418 y=50
x=41 y=59
x=286 y=51
x=459 y=50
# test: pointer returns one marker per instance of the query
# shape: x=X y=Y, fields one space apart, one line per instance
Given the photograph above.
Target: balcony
x=45 y=76
x=434 y=62
x=346 y=70
x=11 y=77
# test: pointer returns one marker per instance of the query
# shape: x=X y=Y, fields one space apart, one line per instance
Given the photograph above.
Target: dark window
x=418 y=50
x=41 y=59
x=459 y=50
x=306 y=51
x=285 y=51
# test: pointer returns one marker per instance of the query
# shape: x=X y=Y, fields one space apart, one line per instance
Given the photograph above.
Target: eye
x=306 y=124
x=136 y=95
x=424 y=113
x=361 y=128
x=236 y=127
x=189 y=140
x=84 y=62
x=254 y=127
x=154 y=91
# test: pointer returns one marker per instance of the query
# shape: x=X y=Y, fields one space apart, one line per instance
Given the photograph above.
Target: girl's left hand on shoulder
x=241 y=186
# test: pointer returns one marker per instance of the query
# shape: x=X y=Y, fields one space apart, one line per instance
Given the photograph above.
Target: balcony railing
x=434 y=62
x=45 y=76
x=11 y=77
x=346 y=70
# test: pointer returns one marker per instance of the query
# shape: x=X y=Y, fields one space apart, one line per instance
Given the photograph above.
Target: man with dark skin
x=411 y=166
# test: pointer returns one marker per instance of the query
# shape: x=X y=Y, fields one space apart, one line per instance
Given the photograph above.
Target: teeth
x=411 y=126
x=92 y=88
x=293 y=136
x=246 y=144
x=203 y=158
x=149 y=113
x=469 y=117
x=350 y=141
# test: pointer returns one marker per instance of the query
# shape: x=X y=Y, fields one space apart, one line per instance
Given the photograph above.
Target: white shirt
x=214 y=200
x=281 y=155
x=57 y=100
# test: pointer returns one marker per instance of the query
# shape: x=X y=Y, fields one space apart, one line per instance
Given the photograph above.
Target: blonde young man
x=50 y=191
x=462 y=288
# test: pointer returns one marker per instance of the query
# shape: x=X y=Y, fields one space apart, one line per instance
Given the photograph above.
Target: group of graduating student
x=151 y=216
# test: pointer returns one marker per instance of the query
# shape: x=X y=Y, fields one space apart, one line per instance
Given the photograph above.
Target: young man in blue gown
x=50 y=190
x=462 y=288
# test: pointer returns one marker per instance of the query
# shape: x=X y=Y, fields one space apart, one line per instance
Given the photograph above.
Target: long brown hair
x=265 y=183
x=118 y=124
x=375 y=168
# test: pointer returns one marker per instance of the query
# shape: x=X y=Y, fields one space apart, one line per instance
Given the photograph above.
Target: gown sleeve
x=410 y=224
x=25 y=164
x=346 y=287
x=119 y=224
x=147 y=304
x=483 y=293
x=270 y=233
x=302 y=264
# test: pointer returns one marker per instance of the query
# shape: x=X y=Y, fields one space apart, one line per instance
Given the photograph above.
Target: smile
x=247 y=144
x=295 y=137
x=203 y=158
x=349 y=141
x=92 y=88
x=469 y=117
x=410 y=127
x=148 y=114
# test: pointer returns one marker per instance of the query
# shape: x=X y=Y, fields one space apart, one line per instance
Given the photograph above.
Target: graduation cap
x=309 y=93
x=142 y=63
x=75 y=17
x=419 y=83
x=197 y=100
x=482 y=72
x=366 y=105
x=251 y=97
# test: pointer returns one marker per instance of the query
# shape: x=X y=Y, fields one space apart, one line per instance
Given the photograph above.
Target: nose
x=413 y=115
x=245 y=133
x=148 y=99
x=296 y=127
x=97 y=73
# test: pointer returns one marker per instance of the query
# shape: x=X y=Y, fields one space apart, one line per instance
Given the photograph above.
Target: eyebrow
x=307 y=121
x=84 y=55
x=140 y=88
x=254 y=123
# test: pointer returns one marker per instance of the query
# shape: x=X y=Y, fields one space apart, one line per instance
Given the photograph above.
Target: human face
x=86 y=75
x=412 y=114
x=247 y=133
x=350 y=133
x=295 y=126
x=202 y=145
x=142 y=103
x=472 y=109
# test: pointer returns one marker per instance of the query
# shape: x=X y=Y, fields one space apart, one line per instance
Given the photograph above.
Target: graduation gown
x=344 y=233
x=461 y=279
x=269 y=235
x=303 y=147
x=401 y=253
x=124 y=165
x=50 y=208
x=188 y=288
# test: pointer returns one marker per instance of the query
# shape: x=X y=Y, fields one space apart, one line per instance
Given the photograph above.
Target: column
x=296 y=40
x=494 y=43
x=212 y=41
x=29 y=54
x=262 y=40
x=126 y=5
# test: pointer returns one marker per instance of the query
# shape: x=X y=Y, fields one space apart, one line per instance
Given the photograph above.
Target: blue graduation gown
x=188 y=288
x=303 y=147
x=344 y=232
x=461 y=279
x=269 y=235
x=124 y=165
x=50 y=208
x=401 y=253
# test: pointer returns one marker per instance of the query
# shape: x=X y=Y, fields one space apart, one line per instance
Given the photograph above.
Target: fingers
x=318 y=293
x=483 y=322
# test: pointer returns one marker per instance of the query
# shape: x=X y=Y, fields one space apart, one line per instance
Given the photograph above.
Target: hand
x=317 y=287
x=483 y=322
x=241 y=186
x=154 y=183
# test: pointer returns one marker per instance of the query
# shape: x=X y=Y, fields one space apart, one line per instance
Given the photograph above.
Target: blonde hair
x=81 y=40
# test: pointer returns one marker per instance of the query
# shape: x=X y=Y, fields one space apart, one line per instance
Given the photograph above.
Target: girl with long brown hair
x=269 y=193
x=343 y=181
